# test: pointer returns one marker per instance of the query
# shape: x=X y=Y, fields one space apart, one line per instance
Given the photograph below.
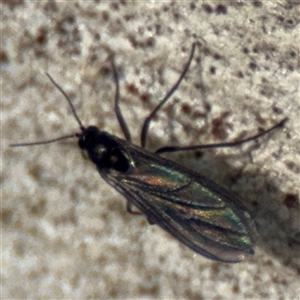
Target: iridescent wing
x=195 y=210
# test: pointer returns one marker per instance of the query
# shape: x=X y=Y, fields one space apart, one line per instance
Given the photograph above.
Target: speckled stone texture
x=65 y=233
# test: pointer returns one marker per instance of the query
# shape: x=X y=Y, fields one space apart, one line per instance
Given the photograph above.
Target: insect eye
x=88 y=137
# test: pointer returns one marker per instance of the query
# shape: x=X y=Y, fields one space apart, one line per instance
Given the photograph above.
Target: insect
x=195 y=210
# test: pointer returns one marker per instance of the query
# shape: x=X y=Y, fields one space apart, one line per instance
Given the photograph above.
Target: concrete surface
x=66 y=233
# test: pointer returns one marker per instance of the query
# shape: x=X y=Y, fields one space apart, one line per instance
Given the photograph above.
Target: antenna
x=62 y=137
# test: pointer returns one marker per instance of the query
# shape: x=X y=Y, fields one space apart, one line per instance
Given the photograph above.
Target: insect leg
x=220 y=145
x=62 y=137
x=117 y=109
x=147 y=121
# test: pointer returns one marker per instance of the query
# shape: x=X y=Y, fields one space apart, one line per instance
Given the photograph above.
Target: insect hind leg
x=221 y=145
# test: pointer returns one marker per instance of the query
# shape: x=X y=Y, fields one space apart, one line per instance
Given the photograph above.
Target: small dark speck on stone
x=3 y=56
x=114 y=6
x=145 y=97
x=240 y=74
x=192 y=6
x=294 y=167
x=277 y=110
x=257 y=4
x=104 y=71
x=212 y=70
x=158 y=29
x=176 y=16
x=245 y=50
x=165 y=8
x=293 y=53
x=50 y=6
x=289 y=23
x=132 y=89
x=41 y=36
x=252 y=65
x=6 y=216
x=255 y=49
x=217 y=56
x=221 y=9
x=280 y=19
x=290 y=4
x=105 y=16
x=207 y=8
x=186 y=109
